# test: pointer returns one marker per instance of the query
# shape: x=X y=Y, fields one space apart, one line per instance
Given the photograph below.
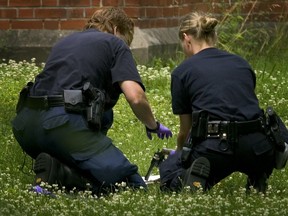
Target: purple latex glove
x=39 y=190
x=161 y=131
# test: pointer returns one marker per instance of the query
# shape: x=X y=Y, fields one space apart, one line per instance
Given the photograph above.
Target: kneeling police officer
x=222 y=128
x=63 y=117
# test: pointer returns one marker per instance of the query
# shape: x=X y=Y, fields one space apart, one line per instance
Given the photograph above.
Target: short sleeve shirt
x=216 y=81
x=89 y=56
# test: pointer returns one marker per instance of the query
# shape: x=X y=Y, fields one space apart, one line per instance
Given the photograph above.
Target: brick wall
x=72 y=14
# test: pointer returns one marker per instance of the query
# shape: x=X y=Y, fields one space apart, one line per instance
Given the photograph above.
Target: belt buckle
x=213 y=128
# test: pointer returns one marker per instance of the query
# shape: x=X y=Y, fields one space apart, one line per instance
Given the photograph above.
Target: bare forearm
x=185 y=126
x=181 y=138
x=143 y=112
x=138 y=102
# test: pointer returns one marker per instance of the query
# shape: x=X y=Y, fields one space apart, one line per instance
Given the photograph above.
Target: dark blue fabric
x=218 y=82
x=170 y=173
x=68 y=138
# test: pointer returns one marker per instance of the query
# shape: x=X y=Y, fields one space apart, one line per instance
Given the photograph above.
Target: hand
x=161 y=131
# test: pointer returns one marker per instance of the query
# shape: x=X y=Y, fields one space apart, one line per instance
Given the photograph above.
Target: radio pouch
x=73 y=101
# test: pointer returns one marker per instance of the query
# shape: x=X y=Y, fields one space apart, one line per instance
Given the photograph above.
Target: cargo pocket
x=55 y=122
x=18 y=126
x=20 y=121
x=262 y=147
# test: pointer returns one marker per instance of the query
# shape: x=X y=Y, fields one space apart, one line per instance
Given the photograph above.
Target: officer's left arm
x=185 y=126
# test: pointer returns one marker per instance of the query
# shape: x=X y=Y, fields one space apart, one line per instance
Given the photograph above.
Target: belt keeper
x=232 y=132
x=46 y=104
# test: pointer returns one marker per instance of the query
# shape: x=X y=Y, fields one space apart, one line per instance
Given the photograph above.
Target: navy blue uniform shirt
x=216 y=81
x=91 y=55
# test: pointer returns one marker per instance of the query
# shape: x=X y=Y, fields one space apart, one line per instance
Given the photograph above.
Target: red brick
x=205 y=7
x=51 y=24
x=50 y=3
x=132 y=3
x=132 y=11
x=173 y=22
x=89 y=12
x=185 y=10
x=114 y=3
x=154 y=12
x=75 y=13
x=26 y=3
x=157 y=2
x=3 y=3
x=8 y=13
x=96 y=3
x=170 y=11
x=74 y=3
x=26 y=13
x=24 y=24
x=50 y=13
x=4 y=24
x=72 y=24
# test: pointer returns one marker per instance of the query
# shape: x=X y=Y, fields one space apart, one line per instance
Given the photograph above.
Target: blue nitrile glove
x=161 y=131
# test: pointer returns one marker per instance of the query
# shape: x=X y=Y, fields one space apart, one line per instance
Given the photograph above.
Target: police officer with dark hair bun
x=63 y=117
x=222 y=127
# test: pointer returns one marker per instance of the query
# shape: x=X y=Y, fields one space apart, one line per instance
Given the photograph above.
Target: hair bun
x=207 y=24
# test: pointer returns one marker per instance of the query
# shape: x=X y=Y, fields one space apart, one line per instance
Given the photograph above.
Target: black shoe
x=45 y=168
x=197 y=174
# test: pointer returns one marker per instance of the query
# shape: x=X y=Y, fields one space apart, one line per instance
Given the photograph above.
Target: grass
x=226 y=198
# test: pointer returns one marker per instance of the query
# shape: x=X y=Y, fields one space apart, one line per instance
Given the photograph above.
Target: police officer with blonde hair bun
x=222 y=128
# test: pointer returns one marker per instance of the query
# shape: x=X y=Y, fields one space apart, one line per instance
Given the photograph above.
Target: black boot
x=260 y=183
x=52 y=171
x=197 y=174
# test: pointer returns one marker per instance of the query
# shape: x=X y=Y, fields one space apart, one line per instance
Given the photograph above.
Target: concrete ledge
x=27 y=44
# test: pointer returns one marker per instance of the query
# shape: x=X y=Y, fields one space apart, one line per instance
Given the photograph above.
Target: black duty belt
x=220 y=128
x=44 y=102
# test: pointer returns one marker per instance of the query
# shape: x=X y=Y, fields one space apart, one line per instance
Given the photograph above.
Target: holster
x=199 y=124
x=198 y=132
x=24 y=93
x=95 y=102
x=273 y=129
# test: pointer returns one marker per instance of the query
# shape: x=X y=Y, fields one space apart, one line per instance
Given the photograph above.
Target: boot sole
x=43 y=168
x=197 y=174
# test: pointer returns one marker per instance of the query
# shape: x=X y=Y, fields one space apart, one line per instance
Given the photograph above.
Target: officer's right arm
x=185 y=126
x=138 y=102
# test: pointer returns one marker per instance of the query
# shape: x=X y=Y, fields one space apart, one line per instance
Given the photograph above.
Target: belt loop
x=232 y=132
x=46 y=104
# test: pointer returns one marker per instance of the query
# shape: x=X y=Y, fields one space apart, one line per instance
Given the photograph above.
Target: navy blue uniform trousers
x=252 y=155
x=66 y=136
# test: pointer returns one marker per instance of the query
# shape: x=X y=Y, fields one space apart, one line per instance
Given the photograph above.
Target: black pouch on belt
x=24 y=93
x=73 y=101
x=199 y=124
